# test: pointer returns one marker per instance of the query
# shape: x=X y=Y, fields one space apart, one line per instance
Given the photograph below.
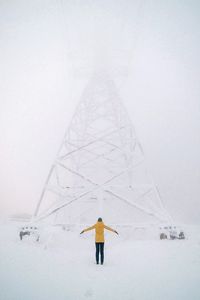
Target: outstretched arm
x=87 y=229
x=110 y=229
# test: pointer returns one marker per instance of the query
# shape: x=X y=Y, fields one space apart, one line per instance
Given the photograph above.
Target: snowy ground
x=63 y=267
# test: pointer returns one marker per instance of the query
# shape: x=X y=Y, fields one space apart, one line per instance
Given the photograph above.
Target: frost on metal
x=100 y=168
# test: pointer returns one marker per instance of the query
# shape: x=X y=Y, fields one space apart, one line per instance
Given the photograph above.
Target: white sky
x=48 y=52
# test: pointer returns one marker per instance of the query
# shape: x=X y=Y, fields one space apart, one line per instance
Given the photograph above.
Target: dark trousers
x=99 y=249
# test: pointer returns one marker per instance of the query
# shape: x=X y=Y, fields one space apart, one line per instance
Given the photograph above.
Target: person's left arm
x=88 y=229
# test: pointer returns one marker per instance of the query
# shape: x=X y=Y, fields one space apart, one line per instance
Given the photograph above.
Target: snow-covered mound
x=61 y=266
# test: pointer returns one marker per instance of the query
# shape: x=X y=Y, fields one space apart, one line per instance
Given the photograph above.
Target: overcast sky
x=48 y=52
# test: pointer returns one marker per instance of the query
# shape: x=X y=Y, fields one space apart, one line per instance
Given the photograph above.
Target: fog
x=50 y=49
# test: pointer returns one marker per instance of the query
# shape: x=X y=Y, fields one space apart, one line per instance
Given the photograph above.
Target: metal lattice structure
x=100 y=168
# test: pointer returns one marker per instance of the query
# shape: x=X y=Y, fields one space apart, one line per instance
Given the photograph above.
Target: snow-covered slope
x=62 y=267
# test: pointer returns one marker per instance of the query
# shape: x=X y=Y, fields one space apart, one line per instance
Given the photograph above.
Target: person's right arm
x=110 y=229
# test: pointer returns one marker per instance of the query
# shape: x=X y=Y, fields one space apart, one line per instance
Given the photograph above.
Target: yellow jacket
x=99 y=231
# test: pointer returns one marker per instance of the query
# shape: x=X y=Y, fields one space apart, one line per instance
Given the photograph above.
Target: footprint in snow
x=88 y=293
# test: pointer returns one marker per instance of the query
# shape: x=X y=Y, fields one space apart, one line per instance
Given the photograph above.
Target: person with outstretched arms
x=99 y=238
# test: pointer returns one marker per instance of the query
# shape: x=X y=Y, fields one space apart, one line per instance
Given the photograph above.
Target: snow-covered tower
x=100 y=167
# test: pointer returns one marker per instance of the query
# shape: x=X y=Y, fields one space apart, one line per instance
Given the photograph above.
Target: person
x=99 y=238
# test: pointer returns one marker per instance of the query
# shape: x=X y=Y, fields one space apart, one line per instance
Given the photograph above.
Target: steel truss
x=100 y=167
